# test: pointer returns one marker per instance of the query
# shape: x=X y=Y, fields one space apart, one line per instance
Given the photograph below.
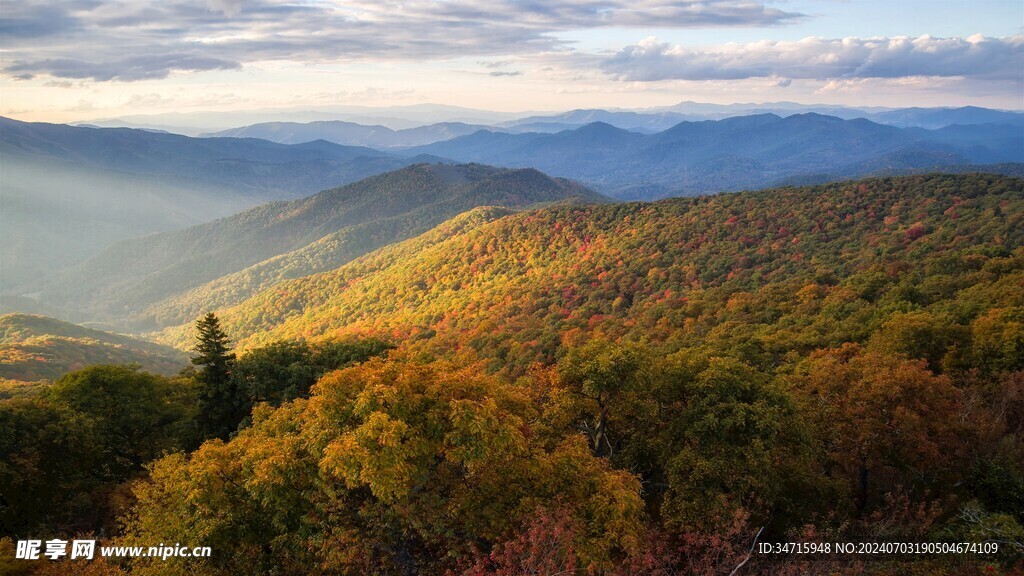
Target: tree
x=138 y=415
x=731 y=444
x=286 y=370
x=601 y=374
x=48 y=459
x=221 y=406
x=880 y=413
x=390 y=467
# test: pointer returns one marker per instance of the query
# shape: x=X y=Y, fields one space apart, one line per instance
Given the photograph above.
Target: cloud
x=89 y=38
x=975 y=57
x=494 y=63
x=134 y=68
x=228 y=7
x=505 y=73
x=20 y=20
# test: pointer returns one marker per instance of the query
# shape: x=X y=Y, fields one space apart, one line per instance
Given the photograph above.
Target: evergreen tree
x=220 y=407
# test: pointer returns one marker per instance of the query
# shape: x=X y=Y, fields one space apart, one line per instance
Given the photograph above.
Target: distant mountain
x=744 y=152
x=902 y=117
x=404 y=117
x=942 y=117
x=654 y=122
x=784 y=108
x=263 y=245
x=350 y=133
x=66 y=191
x=34 y=348
x=981 y=143
x=545 y=127
x=515 y=289
x=659 y=119
x=264 y=170
x=394 y=117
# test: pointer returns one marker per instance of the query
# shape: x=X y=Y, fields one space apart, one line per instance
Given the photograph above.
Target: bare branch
x=749 y=554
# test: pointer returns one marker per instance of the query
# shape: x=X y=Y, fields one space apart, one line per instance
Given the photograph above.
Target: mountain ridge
x=131 y=276
x=505 y=287
x=742 y=152
x=67 y=192
x=35 y=348
x=349 y=133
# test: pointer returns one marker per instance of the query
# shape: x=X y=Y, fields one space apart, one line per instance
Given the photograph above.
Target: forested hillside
x=619 y=389
x=37 y=348
x=324 y=254
x=763 y=274
x=287 y=240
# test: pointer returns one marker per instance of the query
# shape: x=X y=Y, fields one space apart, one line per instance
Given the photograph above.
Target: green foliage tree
x=286 y=370
x=65 y=453
x=49 y=455
x=731 y=444
x=918 y=335
x=600 y=377
x=139 y=415
x=221 y=404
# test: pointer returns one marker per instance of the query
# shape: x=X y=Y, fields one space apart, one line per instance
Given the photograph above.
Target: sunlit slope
x=778 y=270
x=36 y=348
x=337 y=225
x=327 y=253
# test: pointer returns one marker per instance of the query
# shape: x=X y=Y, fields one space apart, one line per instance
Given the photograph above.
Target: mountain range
x=647 y=122
x=350 y=133
x=168 y=278
x=511 y=264
x=89 y=215
x=653 y=119
x=744 y=152
x=67 y=191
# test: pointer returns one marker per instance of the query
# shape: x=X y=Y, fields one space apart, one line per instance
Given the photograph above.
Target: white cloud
x=814 y=58
x=89 y=38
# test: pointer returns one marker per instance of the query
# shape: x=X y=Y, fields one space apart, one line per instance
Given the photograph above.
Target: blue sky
x=844 y=18
x=83 y=59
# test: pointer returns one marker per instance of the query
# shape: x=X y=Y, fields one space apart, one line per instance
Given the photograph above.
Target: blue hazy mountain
x=69 y=191
x=742 y=152
x=263 y=169
x=941 y=117
x=628 y=120
x=350 y=133
x=657 y=120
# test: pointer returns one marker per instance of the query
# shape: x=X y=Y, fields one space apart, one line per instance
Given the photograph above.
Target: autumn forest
x=544 y=382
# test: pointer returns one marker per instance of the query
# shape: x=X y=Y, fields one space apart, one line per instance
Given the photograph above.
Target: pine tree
x=220 y=408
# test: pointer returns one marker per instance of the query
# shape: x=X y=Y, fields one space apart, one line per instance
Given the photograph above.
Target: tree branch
x=749 y=554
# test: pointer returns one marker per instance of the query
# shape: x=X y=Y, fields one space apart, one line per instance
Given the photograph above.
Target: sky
x=77 y=60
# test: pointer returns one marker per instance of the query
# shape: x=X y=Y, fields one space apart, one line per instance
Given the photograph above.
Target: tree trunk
x=862 y=497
